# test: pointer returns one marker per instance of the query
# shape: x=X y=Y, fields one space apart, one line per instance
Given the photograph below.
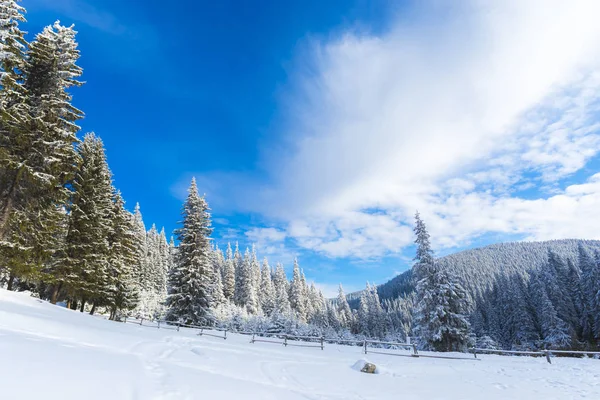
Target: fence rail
x=286 y=338
x=514 y=352
x=548 y=353
x=319 y=341
x=411 y=346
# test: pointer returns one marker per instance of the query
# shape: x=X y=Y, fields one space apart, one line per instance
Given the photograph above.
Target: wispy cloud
x=449 y=113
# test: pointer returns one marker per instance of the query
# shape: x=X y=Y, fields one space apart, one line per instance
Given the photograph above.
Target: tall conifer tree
x=191 y=278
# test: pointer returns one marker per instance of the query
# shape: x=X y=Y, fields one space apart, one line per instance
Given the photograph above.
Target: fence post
x=178 y=325
x=141 y=320
x=225 y=334
x=322 y=344
x=365 y=344
x=475 y=352
x=285 y=340
x=252 y=340
x=158 y=327
x=414 y=346
x=125 y=320
x=548 y=357
x=201 y=330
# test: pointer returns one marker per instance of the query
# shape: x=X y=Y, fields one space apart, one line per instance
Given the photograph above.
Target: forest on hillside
x=67 y=236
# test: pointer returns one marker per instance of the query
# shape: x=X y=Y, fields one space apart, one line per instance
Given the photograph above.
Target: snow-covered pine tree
x=172 y=250
x=255 y=279
x=594 y=288
x=280 y=285
x=84 y=261
x=217 y=296
x=297 y=299
x=219 y=262
x=589 y=273
x=553 y=329
x=122 y=258
x=142 y=248
x=14 y=139
x=343 y=309
x=556 y=281
x=267 y=292
x=576 y=295
x=441 y=301
x=165 y=261
x=377 y=321
x=362 y=316
x=153 y=277
x=13 y=109
x=308 y=311
x=238 y=265
x=247 y=296
x=42 y=156
x=229 y=275
x=318 y=307
x=12 y=57
x=189 y=281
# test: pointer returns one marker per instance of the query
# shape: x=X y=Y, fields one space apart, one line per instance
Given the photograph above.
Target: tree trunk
x=55 y=292
x=93 y=308
x=11 y=281
x=82 y=305
x=9 y=202
x=69 y=304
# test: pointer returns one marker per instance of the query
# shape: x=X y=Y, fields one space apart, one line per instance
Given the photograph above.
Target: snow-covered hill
x=478 y=268
x=53 y=353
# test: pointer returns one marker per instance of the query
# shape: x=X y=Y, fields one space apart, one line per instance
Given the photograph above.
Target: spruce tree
x=441 y=301
x=267 y=292
x=40 y=156
x=247 y=296
x=217 y=296
x=190 y=280
x=238 y=265
x=376 y=315
x=362 y=320
x=280 y=284
x=140 y=269
x=84 y=261
x=255 y=279
x=554 y=330
x=589 y=274
x=297 y=291
x=122 y=259
x=343 y=309
x=229 y=275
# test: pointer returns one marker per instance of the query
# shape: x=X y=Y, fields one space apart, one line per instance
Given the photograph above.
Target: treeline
x=62 y=223
x=556 y=305
x=522 y=295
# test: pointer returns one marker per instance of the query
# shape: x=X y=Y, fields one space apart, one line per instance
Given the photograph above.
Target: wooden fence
x=369 y=346
x=410 y=346
x=541 y=353
x=290 y=340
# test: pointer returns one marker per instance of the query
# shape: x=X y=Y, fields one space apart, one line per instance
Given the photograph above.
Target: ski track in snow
x=70 y=355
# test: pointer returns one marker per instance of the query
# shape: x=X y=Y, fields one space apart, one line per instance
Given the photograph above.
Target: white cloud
x=448 y=113
x=444 y=115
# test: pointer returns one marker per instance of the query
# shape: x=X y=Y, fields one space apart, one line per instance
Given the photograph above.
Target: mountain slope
x=477 y=269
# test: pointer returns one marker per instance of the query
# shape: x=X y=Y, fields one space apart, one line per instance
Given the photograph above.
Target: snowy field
x=48 y=352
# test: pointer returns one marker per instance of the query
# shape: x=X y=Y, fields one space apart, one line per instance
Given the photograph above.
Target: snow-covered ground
x=53 y=353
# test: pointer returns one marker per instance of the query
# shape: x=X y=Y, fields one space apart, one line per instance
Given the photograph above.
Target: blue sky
x=316 y=129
